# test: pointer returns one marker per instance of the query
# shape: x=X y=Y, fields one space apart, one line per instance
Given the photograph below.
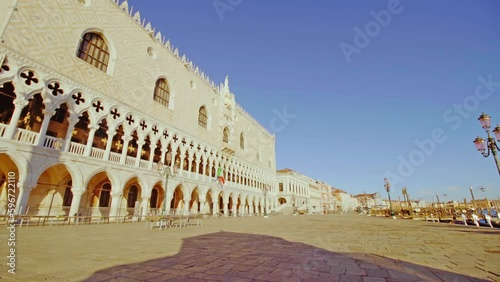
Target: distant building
x=344 y=201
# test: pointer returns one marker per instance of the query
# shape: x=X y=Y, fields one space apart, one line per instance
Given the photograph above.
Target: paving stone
x=282 y=248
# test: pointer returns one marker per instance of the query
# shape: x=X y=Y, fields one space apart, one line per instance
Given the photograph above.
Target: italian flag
x=219 y=176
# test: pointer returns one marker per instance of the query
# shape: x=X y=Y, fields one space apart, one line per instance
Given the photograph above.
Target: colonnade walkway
x=279 y=248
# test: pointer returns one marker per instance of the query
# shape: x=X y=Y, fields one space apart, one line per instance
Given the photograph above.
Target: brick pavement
x=281 y=248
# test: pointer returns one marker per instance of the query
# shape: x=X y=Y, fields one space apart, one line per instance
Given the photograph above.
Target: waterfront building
x=93 y=102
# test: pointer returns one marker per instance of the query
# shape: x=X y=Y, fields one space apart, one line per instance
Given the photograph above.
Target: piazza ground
x=279 y=248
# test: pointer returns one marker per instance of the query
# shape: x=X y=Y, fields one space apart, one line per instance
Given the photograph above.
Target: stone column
x=22 y=199
x=234 y=210
x=204 y=167
x=169 y=201
x=151 y=155
x=19 y=105
x=111 y=134
x=90 y=139
x=181 y=157
x=164 y=151
x=116 y=198
x=186 y=204
x=47 y=115
x=140 y=143
x=67 y=140
x=203 y=209
x=144 y=206
x=3 y=198
x=75 y=202
x=215 y=208
x=126 y=140
x=210 y=166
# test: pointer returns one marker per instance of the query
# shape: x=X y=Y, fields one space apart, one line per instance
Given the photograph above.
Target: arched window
x=153 y=202
x=162 y=92
x=68 y=195
x=242 y=141
x=7 y=96
x=132 y=196
x=94 y=50
x=202 y=117
x=225 y=135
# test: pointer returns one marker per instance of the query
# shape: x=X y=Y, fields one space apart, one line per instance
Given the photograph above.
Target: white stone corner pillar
x=22 y=200
x=144 y=206
x=116 y=198
x=75 y=202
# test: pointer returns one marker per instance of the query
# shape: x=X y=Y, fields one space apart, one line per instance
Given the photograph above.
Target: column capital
x=126 y=138
x=116 y=194
x=72 y=119
x=20 y=102
x=77 y=191
x=49 y=112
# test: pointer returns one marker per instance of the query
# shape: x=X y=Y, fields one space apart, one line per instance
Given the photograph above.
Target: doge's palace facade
x=93 y=100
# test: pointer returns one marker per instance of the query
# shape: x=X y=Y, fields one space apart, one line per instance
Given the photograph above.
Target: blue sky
x=356 y=118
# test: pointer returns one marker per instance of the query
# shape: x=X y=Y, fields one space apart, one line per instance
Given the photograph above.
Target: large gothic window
x=225 y=135
x=94 y=51
x=202 y=117
x=162 y=92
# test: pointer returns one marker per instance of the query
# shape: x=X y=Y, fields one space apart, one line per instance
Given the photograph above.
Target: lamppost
x=480 y=188
x=437 y=207
x=165 y=171
x=408 y=202
x=293 y=203
x=265 y=202
x=387 y=186
x=489 y=145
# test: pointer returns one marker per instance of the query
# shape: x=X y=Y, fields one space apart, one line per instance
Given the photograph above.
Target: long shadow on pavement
x=227 y=256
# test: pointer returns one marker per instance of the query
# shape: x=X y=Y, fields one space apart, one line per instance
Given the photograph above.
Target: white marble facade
x=85 y=128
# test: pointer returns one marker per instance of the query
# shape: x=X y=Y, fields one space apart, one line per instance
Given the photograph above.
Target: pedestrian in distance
x=475 y=219
x=488 y=220
x=464 y=218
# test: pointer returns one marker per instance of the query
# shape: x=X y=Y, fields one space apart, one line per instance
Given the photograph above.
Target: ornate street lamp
x=480 y=188
x=387 y=186
x=293 y=203
x=489 y=145
x=165 y=171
